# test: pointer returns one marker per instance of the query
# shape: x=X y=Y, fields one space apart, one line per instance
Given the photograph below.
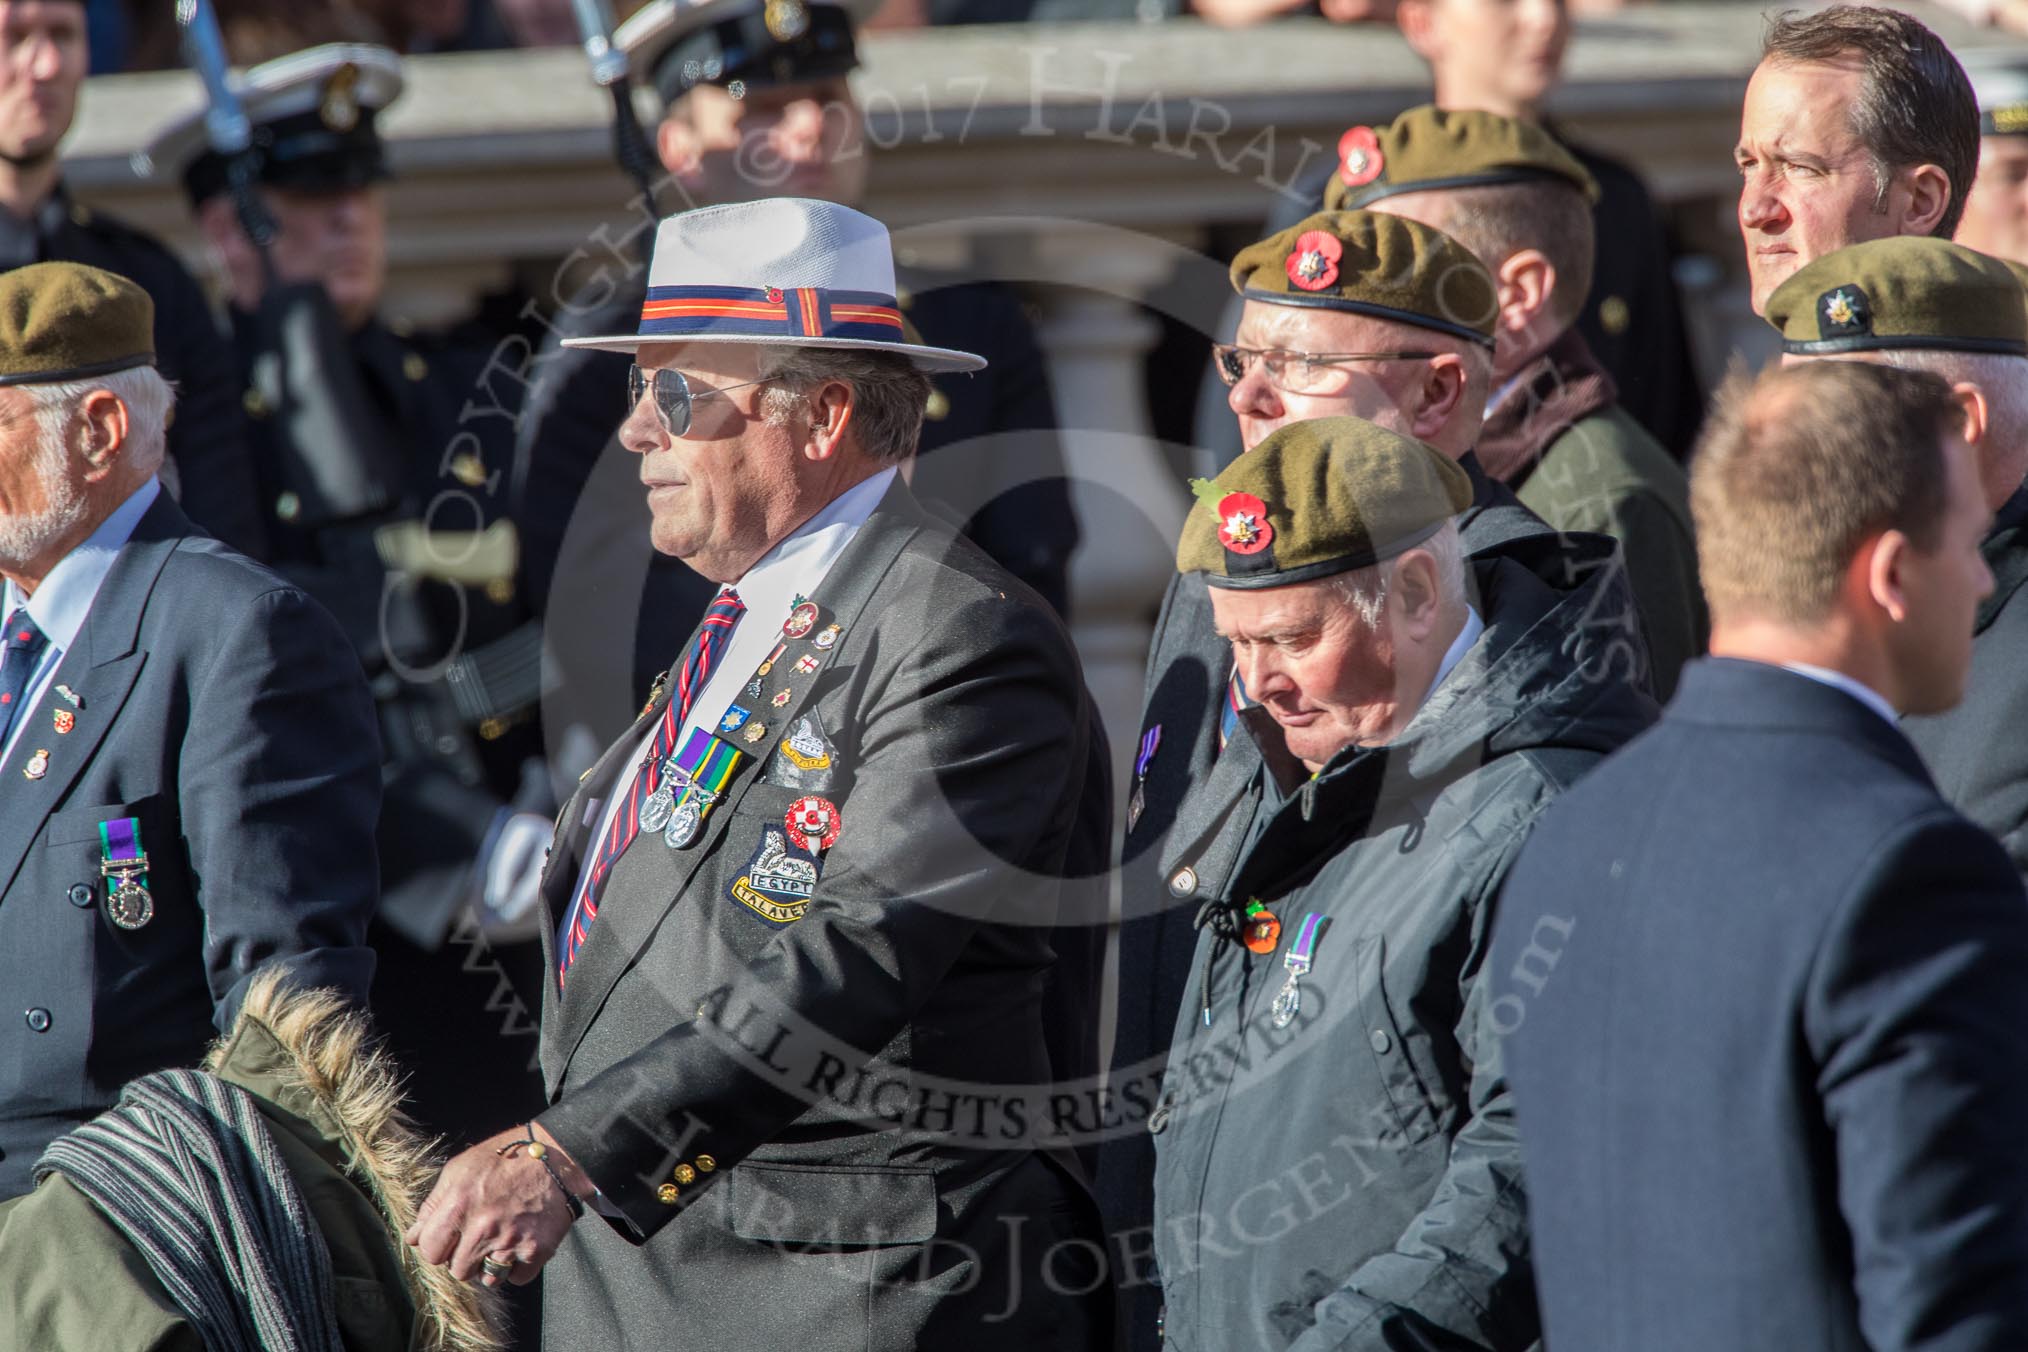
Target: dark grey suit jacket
x=847 y=1075
x=1763 y=1003
x=1975 y=751
x=224 y=710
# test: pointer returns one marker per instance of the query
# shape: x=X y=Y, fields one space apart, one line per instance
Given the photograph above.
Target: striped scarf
x=184 y=1168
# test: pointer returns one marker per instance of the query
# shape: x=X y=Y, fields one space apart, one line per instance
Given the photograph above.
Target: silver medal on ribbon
x=1288 y=1002
x=687 y=822
x=684 y=824
x=655 y=812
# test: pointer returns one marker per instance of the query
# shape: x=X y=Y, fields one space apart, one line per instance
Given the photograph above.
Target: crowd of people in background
x=1569 y=886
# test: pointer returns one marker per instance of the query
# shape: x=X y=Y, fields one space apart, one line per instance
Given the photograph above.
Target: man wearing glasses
x=804 y=904
x=1345 y=313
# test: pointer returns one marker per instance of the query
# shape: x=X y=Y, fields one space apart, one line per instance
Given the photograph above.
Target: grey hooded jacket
x=1351 y=1178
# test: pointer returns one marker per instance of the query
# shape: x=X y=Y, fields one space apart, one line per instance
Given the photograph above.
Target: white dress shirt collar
x=795 y=566
x=61 y=603
x=1462 y=644
x=1858 y=690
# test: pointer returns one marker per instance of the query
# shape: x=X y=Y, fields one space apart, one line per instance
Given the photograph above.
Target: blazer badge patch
x=778 y=880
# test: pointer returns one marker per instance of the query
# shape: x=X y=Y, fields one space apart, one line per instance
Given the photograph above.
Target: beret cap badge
x=786 y=20
x=1844 y=312
x=1313 y=263
x=339 y=108
x=1359 y=157
x=1243 y=526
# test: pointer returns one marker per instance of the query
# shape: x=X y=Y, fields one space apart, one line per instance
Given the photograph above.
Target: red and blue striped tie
x=705 y=649
x=21 y=646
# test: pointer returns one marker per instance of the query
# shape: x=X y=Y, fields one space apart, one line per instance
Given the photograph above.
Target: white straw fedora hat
x=789 y=271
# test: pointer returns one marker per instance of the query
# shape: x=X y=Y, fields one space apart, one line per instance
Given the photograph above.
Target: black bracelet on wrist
x=539 y=1152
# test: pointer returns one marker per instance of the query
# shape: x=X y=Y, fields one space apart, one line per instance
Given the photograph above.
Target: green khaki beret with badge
x=1315 y=499
x=66 y=321
x=1903 y=292
x=1368 y=263
x=1429 y=149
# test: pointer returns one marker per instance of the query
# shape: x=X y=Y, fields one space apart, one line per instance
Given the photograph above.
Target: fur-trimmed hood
x=311 y=1058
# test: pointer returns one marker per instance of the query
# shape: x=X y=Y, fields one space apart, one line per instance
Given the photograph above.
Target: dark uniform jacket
x=457 y=751
x=1979 y=762
x=221 y=708
x=1762 y=997
x=1351 y=1179
x=708 y=1056
x=214 y=476
x=989 y=457
x=1188 y=667
x=1633 y=318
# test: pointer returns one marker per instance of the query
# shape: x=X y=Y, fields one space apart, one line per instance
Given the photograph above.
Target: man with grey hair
x=840 y=826
x=1929 y=305
x=1336 y=1160
x=189 y=768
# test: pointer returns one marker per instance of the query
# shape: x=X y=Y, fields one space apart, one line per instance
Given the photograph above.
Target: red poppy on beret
x=1359 y=157
x=1314 y=263
x=1242 y=523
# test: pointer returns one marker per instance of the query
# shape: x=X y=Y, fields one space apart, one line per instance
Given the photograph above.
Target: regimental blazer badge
x=779 y=880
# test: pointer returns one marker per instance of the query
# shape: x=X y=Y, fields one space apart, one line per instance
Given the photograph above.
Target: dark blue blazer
x=224 y=710
x=1765 y=998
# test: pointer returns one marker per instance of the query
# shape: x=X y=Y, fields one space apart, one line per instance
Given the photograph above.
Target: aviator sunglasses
x=673 y=396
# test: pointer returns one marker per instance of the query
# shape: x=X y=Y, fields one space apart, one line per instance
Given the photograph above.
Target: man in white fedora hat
x=792 y=1032
x=756 y=101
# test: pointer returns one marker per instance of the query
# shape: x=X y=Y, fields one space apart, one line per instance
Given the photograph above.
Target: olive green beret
x=2020 y=271
x=1906 y=291
x=1373 y=264
x=1429 y=148
x=1318 y=498
x=66 y=321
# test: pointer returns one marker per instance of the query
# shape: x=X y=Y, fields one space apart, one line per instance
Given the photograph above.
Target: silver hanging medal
x=1298 y=960
x=655 y=811
x=128 y=903
x=685 y=822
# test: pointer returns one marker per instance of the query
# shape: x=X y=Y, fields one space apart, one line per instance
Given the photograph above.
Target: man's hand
x=489 y=1205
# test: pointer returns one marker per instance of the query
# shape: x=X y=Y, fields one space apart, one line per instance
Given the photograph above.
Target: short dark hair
x=1546 y=214
x=1915 y=105
x=1799 y=466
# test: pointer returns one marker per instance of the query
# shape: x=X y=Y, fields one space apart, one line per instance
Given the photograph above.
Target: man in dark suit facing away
x=805 y=903
x=1760 y=986
x=189 y=772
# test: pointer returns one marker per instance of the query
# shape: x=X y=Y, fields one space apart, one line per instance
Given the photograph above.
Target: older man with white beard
x=189 y=768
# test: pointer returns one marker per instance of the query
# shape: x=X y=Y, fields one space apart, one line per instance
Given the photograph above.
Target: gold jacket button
x=705 y=1164
x=667 y=1194
x=685 y=1175
x=939 y=406
x=414 y=367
